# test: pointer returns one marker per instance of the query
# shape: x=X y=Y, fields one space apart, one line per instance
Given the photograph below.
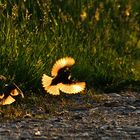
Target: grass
x=102 y=36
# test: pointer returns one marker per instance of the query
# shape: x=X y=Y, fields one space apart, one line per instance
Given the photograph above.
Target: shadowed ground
x=112 y=116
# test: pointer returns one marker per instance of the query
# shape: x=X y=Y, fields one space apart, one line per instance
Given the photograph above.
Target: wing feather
x=46 y=81
x=51 y=89
x=14 y=92
x=7 y=101
x=61 y=63
x=73 y=88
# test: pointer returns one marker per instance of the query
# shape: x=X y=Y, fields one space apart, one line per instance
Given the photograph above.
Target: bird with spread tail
x=61 y=79
x=8 y=93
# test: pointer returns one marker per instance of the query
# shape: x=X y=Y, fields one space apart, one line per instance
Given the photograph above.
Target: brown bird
x=8 y=93
x=61 y=79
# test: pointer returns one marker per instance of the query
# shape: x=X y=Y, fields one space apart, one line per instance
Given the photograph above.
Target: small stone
x=104 y=127
x=85 y=134
x=115 y=95
x=37 y=133
x=119 y=128
x=93 y=110
x=131 y=107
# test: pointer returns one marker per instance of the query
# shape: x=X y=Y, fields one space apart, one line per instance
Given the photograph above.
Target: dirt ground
x=114 y=116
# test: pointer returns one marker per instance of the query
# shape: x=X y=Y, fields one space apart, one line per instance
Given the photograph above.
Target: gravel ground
x=113 y=117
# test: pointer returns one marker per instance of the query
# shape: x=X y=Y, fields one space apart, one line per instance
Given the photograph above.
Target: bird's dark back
x=62 y=76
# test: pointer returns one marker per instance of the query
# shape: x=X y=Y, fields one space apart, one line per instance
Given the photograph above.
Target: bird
x=8 y=93
x=61 y=78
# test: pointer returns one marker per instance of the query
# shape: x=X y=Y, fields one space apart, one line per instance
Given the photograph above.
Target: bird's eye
x=6 y=85
x=66 y=70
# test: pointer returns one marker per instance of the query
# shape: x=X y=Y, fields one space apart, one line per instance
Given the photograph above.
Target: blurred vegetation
x=103 y=36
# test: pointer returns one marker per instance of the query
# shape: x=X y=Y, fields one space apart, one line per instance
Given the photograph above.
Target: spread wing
x=6 y=97
x=46 y=83
x=72 y=88
x=61 y=63
x=7 y=101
